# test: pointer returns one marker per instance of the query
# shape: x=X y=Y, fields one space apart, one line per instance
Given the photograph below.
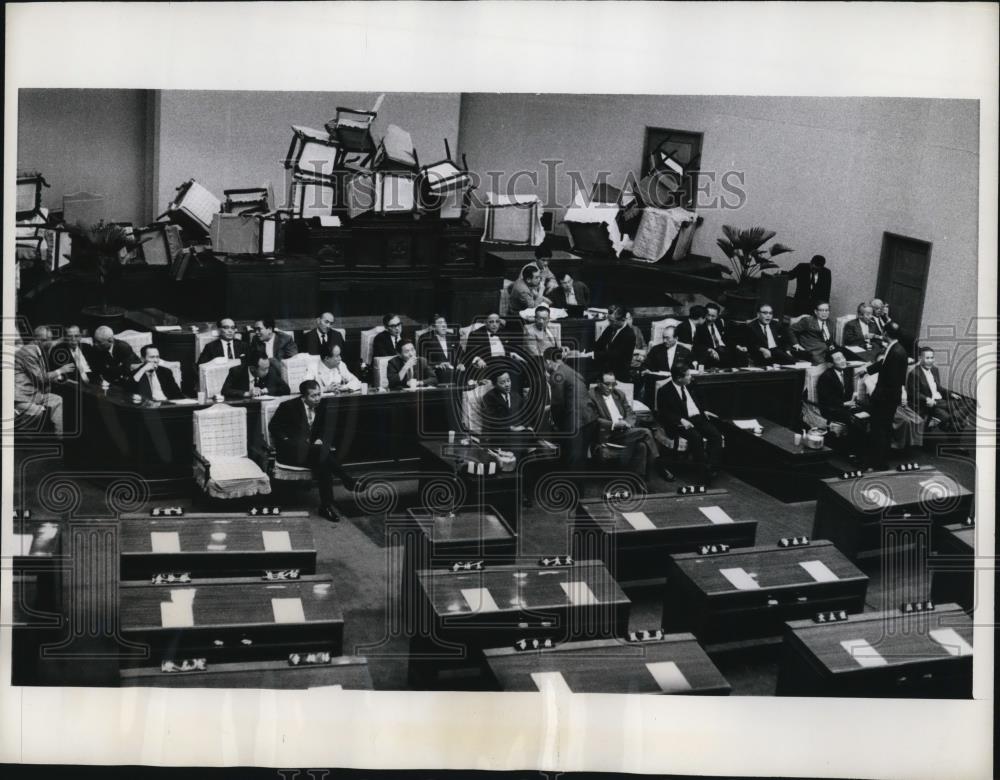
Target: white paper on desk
x=863 y=653
x=819 y=571
x=669 y=677
x=276 y=541
x=184 y=401
x=288 y=610
x=165 y=541
x=856 y=350
x=951 y=641
x=480 y=600
x=264 y=397
x=579 y=593
x=747 y=425
x=639 y=521
x=23 y=543
x=740 y=579
x=716 y=514
x=166 y=328
x=861 y=415
x=550 y=682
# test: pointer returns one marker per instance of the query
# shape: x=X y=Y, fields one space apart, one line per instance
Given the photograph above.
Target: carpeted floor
x=355 y=553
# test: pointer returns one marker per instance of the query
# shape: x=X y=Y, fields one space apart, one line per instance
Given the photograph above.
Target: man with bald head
x=227 y=345
x=33 y=400
x=111 y=360
x=323 y=338
x=863 y=332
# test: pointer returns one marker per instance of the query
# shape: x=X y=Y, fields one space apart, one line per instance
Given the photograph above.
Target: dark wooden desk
x=700 y=598
x=282 y=286
x=636 y=548
x=953 y=565
x=464 y=612
x=233 y=619
x=880 y=654
x=859 y=515
x=773 y=462
x=674 y=665
x=155 y=440
x=349 y=672
x=744 y=393
x=215 y=545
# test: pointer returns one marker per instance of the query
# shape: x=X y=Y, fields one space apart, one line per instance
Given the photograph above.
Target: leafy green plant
x=744 y=247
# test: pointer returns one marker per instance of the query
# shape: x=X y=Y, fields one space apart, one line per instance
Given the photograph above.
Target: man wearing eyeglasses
x=227 y=345
x=323 y=338
x=273 y=343
x=812 y=335
x=388 y=342
x=767 y=341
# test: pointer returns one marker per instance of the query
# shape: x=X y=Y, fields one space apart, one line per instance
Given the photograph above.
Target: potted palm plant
x=98 y=250
x=749 y=259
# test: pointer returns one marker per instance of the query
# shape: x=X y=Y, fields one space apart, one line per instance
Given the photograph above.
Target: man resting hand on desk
x=406 y=370
x=153 y=381
x=334 y=376
x=257 y=375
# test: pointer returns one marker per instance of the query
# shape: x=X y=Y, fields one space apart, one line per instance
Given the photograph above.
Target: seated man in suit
x=928 y=396
x=613 y=350
x=153 y=381
x=661 y=357
x=838 y=401
x=719 y=351
x=407 y=370
x=767 y=341
x=812 y=336
x=880 y=313
x=616 y=425
x=862 y=332
x=111 y=359
x=488 y=346
x=227 y=345
x=273 y=343
x=334 y=376
x=69 y=349
x=323 y=338
x=33 y=399
x=442 y=350
x=812 y=284
x=681 y=414
x=303 y=436
x=504 y=413
x=538 y=336
x=388 y=342
x=547 y=279
x=256 y=375
x=569 y=292
x=527 y=291
x=693 y=334
x=572 y=415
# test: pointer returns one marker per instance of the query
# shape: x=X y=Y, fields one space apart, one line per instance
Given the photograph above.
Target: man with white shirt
x=862 y=331
x=153 y=381
x=813 y=334
x=226 y=346
x=568 y=292
x=33 y=400
x=681 y=414
x=334 y=376
x=661 y=357
x=614 y=349
x=271 y=342
x=321 y=339
x=538 y=336
x=880 y=312
x=928 y=396
x=767 y=341
x=488 y=347
x=69 y=350
x=441 y=350
x=719 y=351
x=256 y=375
x=388 y=341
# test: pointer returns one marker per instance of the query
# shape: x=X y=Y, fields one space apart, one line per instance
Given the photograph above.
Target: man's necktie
x=711 y=332
x=229 y=349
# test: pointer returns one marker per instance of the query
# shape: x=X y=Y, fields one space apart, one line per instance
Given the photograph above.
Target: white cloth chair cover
x=298 y=368
x=202 y=339
x=505 y=297
x=813 y=374
x=841 y=322
x=463 y=333
x=381 y=371
x=657 y=328
x=472 y=407
x=513 y=219
x=599 y=327
x=367 y=338
x=135 y=339
x=212 y=375
x=175 y=369
x=224 y=470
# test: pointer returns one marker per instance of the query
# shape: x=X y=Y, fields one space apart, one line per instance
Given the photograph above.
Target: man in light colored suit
x=813 y=335
x=33 y=399
x=862 y=331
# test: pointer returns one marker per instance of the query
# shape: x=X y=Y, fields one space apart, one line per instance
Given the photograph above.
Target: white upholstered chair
x=367 y=340
x=135 y=339
x=381 y=365
x=657 y=328
x=221 y=466
x=463 y=333
x=212 y=375
x=839 y=328
x=298 y=368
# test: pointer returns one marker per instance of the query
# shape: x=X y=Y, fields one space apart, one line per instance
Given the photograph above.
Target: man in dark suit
x=504 y=413
x=613 y=351
x=70 y=349
x=863 y=331
x=153 y=381
x=928 y=396
x=616 y=425
x=569 y=292
x=323 y=338
x=273 y=343
x=661 y=357
x=693 y=334
x=812 y=284
x=441 y=350
x=227 y=345
x=407 y=370
x=767 y=341
x=837 y=399
x=681 y=414
x=255 y=376
x=812 y=336
x=720 y=351
x=572 y=415
x=388 y=342
x=304 y=436
x=891 y=371
x=489 y=347
x=880 y=313
x=110 y=359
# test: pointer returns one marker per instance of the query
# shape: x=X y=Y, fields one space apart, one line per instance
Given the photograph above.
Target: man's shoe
x=331 y=513
x=664 y=472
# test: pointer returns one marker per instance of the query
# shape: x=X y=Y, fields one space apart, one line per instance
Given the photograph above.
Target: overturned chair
x=221 y=466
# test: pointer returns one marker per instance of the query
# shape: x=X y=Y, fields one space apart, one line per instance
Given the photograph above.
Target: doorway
x=902 y=281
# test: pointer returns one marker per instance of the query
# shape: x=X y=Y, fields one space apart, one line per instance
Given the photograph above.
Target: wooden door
x=902 y=281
